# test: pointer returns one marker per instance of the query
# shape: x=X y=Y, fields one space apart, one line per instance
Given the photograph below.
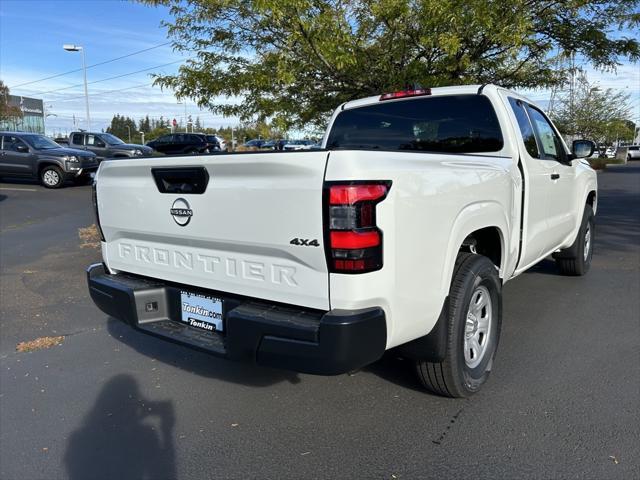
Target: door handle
x=555 y=176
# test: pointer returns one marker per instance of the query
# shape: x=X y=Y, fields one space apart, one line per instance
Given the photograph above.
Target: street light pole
x=186 y=125
x=80 y=48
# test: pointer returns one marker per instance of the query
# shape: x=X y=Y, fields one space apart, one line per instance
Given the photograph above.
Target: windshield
x=111 y=139
x=40 y=142
x=449 y=124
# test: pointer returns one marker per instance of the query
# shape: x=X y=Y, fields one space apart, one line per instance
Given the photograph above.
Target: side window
x=95 y=141
x=179 y=138
x=526 y=130
x=11 y=144
x=549 y=141
x=76 y=139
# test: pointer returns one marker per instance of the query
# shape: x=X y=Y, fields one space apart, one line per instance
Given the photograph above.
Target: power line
x=102 y=93
x=91 y=66
x=110 y=78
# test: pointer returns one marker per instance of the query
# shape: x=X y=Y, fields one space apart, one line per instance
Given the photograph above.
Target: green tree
x=121 y=127
x=597 y=114
x=293 y=61
x=7 y=112
x=145 y=124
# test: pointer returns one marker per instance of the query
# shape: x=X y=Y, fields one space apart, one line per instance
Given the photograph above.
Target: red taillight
x=350 y=194
x=354 y=241
x=406 y=93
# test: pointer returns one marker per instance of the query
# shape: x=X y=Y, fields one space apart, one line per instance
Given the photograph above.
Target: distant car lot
x=563 y=404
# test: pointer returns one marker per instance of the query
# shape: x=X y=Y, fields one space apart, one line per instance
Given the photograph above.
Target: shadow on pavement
x=197 y=362
x=123 y=436
x=2 y=197
x=398 y=371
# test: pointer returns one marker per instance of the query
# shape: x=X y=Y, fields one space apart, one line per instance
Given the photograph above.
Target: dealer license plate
x=201 y=311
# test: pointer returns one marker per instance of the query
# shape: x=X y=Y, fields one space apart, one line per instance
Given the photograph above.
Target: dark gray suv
x=106 y=145
x=31 y=155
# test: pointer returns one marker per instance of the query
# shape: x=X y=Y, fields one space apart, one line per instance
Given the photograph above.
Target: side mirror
x=582 y=148
x=22 y=148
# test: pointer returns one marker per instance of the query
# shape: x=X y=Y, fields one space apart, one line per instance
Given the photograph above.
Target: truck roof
x=454 y=90
x=7 y=132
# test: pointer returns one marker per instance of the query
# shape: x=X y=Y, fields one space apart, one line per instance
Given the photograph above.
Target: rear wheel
x=51 y=176
x=474 y=320
x=576 y=260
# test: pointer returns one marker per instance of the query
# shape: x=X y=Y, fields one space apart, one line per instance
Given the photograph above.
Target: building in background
x=32 y=119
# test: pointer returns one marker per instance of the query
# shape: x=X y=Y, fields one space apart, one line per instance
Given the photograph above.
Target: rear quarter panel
x=434 y=202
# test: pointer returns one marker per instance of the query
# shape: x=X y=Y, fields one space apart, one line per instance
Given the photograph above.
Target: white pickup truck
x=399 y=233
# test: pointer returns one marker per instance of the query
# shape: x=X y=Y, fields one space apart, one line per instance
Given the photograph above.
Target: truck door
x=96 y=145
x=536 y=185
x=15 y=157
x=561 y=218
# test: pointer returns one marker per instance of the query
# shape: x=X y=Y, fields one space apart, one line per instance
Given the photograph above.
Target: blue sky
x=31 y=37
x=32 y=33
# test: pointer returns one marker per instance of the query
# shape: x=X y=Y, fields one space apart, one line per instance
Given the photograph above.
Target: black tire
x=453 y=376
x=573 y=261
x=51 y=176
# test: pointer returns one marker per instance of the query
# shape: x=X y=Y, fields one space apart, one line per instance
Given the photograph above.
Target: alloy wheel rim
x=477 y=330
x=51 y=177
x=587 y=243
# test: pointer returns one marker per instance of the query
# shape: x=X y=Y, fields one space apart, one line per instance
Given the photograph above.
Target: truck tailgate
x=237 y=239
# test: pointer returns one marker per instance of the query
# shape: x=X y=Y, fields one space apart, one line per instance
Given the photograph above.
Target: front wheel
x=51 y=177
x=474 y=320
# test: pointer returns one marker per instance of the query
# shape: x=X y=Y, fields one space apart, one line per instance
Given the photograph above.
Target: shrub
x=598 y=163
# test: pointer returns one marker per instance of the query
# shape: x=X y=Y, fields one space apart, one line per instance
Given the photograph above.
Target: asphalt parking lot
x=563 y=400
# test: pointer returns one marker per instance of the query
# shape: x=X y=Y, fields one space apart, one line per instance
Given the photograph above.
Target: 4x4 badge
x=181 y=212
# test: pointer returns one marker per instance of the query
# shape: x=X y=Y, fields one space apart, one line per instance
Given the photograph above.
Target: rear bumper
x=292 y=338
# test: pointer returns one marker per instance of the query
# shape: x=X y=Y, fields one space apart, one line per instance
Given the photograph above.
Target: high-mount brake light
x=353 y=239
x=418 y=92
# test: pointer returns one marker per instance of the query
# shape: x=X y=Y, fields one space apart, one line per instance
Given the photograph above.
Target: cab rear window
x=447 y=124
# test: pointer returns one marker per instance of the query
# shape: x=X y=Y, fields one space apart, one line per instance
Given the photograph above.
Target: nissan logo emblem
x=181 y=212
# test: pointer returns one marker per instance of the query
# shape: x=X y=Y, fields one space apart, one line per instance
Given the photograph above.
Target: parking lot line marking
x=20 y=189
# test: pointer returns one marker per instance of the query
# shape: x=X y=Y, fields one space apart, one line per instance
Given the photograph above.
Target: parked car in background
x=633 y=152
x=256 y=143
x=274 y=144
x=106 y=145
x=610 y=152
x=222 y=144
x=188 y=144
x=31 y=155
x=298 y=145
